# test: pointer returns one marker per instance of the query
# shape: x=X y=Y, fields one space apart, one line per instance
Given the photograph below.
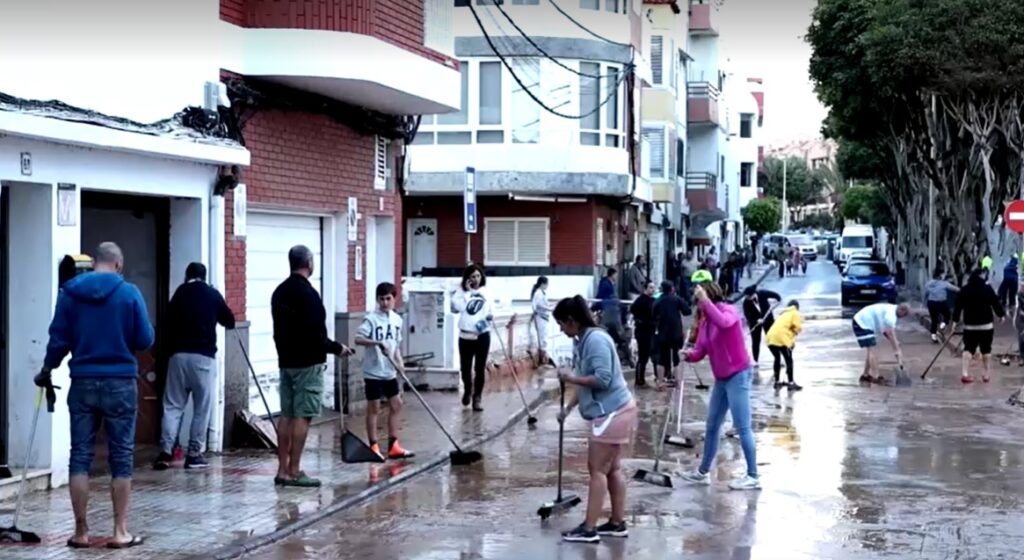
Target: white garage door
x=268 y=239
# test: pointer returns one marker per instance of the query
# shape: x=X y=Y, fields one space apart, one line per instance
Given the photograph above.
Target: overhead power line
x=504 y=61
x=584 y=27
x=538 y=47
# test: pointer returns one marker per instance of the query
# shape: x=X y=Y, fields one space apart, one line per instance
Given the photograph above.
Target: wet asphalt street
x=849 y=472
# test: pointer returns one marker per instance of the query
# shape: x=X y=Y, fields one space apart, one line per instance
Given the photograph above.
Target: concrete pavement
x=233 y=505
x=849 y=472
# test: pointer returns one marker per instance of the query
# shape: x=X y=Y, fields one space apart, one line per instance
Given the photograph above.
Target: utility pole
x=931 y=205
x=785 y=205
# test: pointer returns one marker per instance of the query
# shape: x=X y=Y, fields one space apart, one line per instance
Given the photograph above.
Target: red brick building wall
x=399 y=22
x=572 y=226
x=305 y=161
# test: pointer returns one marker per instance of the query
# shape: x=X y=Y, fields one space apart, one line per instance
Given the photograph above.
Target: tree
x=865 y=204
x=799 y=185
x=762 y=216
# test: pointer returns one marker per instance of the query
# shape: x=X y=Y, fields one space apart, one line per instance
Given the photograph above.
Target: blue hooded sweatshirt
x=102 y=321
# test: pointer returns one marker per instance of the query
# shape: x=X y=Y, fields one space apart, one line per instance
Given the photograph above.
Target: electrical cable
x=583 y=27
x=490 y=42
x=538 y=47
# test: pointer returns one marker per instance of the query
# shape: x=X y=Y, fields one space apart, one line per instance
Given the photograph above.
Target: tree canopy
x=762 y=215
x=799 y=181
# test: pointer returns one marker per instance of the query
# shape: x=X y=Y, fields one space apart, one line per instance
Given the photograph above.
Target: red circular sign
x=1014 y=216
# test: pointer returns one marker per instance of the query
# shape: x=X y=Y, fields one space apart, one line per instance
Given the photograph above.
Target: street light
x=785 y=205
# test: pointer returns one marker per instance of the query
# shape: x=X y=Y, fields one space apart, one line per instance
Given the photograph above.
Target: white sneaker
x=696 y=477
x=935 y=338
x=746 y=483
x=942 y=326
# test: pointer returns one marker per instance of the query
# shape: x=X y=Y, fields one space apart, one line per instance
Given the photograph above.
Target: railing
x=702 y=90
x=701 y=180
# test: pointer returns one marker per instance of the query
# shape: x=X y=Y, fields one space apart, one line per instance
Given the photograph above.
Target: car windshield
x=863 y=269
x=856 y=242
x=798 y=240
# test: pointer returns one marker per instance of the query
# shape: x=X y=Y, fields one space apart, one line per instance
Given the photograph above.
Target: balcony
x=703 y=19
x=702 y=198
x=702 y=104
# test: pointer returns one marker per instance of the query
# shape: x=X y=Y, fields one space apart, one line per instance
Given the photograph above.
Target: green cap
x=986 y=263
x=701 y=276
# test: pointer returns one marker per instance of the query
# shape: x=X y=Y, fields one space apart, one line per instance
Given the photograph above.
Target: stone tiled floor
x=192 y=514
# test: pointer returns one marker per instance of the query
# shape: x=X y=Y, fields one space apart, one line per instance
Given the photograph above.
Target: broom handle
x=245 y=354
x=423 y=401
x=508 y=356
x=664 y=432
x=561 y=439
x=28 y=457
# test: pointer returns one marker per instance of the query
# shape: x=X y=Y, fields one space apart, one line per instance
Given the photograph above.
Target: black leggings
x=644 y=345
x=939 y=314
x=780 y=353
x=468 y=351
x=755 y=337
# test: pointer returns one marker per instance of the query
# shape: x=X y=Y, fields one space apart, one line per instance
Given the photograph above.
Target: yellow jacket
x=785 y=329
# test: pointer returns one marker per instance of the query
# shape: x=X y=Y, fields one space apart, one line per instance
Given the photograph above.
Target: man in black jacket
x=300 y=334
x=192 y=318
x=757 y=308
x=669 y=311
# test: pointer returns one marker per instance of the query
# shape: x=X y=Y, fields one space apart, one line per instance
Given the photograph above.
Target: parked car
x=867 y=282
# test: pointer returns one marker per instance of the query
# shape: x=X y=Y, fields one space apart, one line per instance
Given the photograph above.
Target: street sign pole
x=469 y=209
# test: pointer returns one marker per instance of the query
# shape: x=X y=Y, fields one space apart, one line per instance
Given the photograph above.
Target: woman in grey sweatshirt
x=607 y=404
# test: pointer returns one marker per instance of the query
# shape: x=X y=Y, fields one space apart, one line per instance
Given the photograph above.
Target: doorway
x=421 y=245
x=380 y=256
x=140 y=225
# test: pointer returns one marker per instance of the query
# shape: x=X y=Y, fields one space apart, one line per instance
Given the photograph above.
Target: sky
x=764 y=38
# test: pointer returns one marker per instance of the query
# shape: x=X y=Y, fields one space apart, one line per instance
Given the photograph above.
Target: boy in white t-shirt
x=381 y=332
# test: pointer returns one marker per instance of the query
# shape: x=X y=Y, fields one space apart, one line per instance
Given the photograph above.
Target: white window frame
x=380 y=163
x=515 y=241
x=666 y=172
x=603 y=131
x=430 y=127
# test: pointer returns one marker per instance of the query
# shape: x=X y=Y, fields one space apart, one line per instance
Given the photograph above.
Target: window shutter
x=380 y=163
x=657 y=59
x=532 y=239
x=655 y=137
x=501 y=239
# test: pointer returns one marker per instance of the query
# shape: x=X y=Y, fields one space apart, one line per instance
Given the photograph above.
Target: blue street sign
x=469 y=201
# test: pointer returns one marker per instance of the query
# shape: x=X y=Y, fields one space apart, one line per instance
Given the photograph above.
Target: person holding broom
x=720 y=339
x=607 y=405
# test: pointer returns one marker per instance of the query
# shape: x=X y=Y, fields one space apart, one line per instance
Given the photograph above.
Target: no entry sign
x=1014 y=216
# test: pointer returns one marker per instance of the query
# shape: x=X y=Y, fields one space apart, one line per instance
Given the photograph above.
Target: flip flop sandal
x=74 y=544
x=303 y=481
x=136 y=541
x=278 y=481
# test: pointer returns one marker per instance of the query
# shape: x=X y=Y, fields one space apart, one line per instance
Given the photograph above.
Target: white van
x=856 y=241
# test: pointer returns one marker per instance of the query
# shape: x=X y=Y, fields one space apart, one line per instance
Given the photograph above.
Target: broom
x=678 y=439
x=561 y=502
x=653 y=476
x=13 y=533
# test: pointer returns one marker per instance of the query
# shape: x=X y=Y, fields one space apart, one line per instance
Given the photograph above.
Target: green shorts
x=302 y=391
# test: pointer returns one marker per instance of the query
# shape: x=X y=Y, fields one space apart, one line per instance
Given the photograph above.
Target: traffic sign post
x=1013 y=217
x=469 y=209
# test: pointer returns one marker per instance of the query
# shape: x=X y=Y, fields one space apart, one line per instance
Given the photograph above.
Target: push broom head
x=460 y=457
x=680 y=441
x=353 y=450
x=903 y=378
x=532 y=420
x=558 y=506
x=653 y=477
x=15 y=535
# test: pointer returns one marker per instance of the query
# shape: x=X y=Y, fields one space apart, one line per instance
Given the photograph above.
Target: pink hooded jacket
x=720 y=338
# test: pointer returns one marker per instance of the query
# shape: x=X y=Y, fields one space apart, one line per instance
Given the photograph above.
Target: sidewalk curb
x=237 y=550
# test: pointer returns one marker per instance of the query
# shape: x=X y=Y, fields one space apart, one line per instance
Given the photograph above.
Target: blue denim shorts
x=111 y=402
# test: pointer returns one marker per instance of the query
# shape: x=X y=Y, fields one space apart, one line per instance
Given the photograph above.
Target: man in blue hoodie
x=101 y=320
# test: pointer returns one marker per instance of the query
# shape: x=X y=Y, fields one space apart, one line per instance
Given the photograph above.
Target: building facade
x=272 y=124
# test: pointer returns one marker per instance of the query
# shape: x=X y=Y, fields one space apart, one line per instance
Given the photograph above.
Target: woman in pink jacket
x=720 y=338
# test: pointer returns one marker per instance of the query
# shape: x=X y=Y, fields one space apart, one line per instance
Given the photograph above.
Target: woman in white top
x=541 y=316
x=475 y=311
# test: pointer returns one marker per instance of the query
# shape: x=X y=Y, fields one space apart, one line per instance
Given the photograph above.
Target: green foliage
x=825 y=222
x=867 y=205
x=799 y=182
x=762 y=215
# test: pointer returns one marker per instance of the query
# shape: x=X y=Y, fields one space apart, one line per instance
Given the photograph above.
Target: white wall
x=140 y=59
x=705 y=67
x=542 y=20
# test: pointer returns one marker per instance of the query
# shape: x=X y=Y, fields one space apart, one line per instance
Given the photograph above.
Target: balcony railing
x=702 y=103
x=702 y=18
x=700 y=180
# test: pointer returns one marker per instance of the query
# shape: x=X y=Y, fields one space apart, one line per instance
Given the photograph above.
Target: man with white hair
x=102 y=321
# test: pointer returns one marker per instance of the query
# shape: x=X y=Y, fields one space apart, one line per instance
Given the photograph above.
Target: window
x=721 y=169
x=462 y=116
x=525 y=111
x=746 y=125
x=600 y=121
x=746 y=174
x=867 y=269
x=657 y=60
x=490 y=93
x=680 y=158
x=438 y=28
x=516 y=241
x=590 y=4
x=657 y=164
x=380 y=163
